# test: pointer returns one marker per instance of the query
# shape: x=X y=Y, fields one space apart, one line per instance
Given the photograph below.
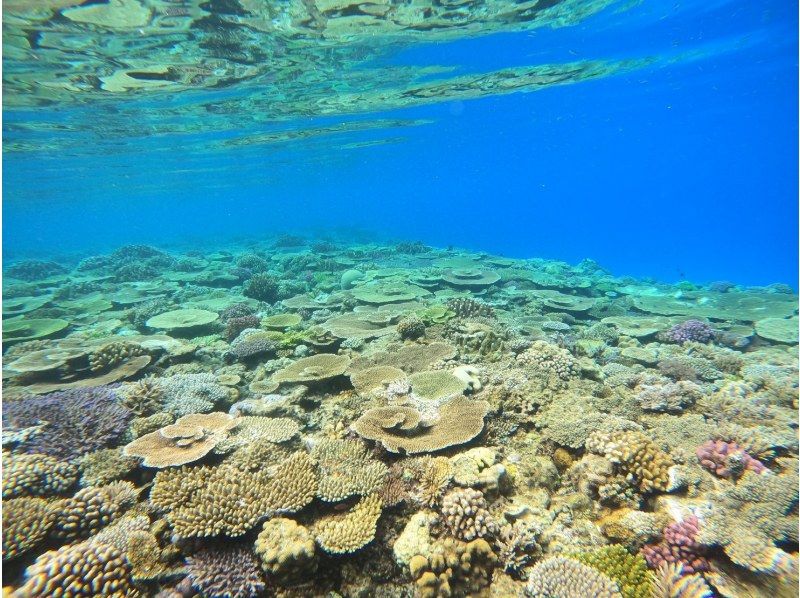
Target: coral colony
x=306 y=418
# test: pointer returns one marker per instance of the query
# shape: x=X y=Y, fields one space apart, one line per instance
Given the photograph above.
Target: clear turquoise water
x=661 y=141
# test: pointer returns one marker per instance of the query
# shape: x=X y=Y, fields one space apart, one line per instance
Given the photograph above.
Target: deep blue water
x=684 y=168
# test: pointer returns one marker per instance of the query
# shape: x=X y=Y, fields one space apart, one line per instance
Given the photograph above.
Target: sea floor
x=296 y=417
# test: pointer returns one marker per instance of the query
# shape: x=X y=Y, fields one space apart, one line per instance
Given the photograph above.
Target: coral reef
x=332 y=419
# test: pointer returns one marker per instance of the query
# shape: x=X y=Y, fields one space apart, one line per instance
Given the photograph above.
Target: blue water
x=684 y=165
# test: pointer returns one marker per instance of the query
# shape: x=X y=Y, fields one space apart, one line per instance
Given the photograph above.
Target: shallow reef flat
x=299 y=417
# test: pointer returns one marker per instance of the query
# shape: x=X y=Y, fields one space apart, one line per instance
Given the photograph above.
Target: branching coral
x=26 y=523
x=628 y=571
x=680 y=546
x=727 y=459
x=91 y=509
x=559 y=577
x=225 y=572
x=453 y=568
x=287 y=550
x=466 y=515
x=191 y=393
x=635 y=455
x=78 y=421
x=672 y=581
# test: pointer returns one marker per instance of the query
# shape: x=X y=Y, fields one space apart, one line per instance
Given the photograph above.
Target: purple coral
x=229 y=571
x=690 y=330
x=680 y=545
x=78 y=421
x=727 y=459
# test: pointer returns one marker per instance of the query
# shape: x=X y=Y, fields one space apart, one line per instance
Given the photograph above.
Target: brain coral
x=225 y=572
x=287 y=550
x=85 y=569
x=36 y=475
x=635 y=455
x=748 y=517
x=559 y=577
x=188 y=439
x=341 y=534
x=398 y=430
x=26 y=522
x=346 y=469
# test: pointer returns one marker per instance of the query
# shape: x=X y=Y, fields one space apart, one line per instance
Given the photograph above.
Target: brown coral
x=112 y=354
x=143 y=397
x=454 y=568
x=190 y=438
x=287 y=550
x=466 y=515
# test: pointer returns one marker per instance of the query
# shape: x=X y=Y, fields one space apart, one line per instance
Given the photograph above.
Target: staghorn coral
x=560 y=577
x=346 y=469
x=636 y=456
x=26 y=523
x=188 y=439
x=36 y=475
x=230 y=500
x=398 y=429
x=236 y=325
x=727 y=459
x=748 y=517
x=104 y=466
x=86 y=569
x=78 y=420
x=434 y=475
x=453 y=568
x=287 y=550
x=671 y=581
x=91 y=509
x=341 y=534
x=680 y=546
x=225 y=572
x=628 y=571
x=476 y=340
x=143 y=397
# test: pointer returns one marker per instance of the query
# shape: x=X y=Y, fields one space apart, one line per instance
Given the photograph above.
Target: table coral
x=460 y=420
x=346 y=469
x=316 y=368
x=341 y=534
x=190 y=438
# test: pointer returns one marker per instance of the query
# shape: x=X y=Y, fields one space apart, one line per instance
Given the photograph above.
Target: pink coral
x=727 y=459
x=680 y=545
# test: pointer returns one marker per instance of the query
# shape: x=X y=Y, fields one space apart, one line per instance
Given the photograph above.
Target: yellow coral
x=636 y=455
x=340 y=534
x=26 y=522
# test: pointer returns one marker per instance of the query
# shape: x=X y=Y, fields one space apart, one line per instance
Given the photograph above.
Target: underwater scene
x=400 y=299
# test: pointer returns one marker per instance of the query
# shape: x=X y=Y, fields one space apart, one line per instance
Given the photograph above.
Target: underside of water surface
x=400 y=299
